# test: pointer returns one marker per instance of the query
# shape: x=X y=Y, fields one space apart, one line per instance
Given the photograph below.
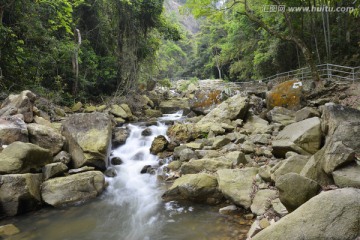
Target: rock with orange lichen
x=288 y=94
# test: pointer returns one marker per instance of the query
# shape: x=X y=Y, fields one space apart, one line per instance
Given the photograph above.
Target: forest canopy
x=81 y=49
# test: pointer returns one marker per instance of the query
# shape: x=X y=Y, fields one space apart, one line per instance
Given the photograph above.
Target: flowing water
x=131 y=208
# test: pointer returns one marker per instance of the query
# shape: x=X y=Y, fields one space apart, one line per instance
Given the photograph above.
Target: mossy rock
x=288 y=94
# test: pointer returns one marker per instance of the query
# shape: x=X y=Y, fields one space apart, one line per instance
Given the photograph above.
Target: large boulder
x=174 y=105
x=336 y=154
x=281 y=115
x=159 y=144
x=118 y=111
x=54 y=170
x=71 y=189
x=294 y=190
x=305 y=113
x=313 y=169
x=22 y=103
x=330 y=215
x=293 y=164
x=88 y=137
x=287 y=94
x=201 y=187
x=46 y=137
x=262 y=201
x=182 y=132
x=302 y=137
x=205 y=100
x=237 y=185
x=119 y=136
x=12 y=128
x=348 y=176
x=257 y=125
x=19 y=193
x=341 y=123
x=205 y=164
x=21 y=157
x=233 y=108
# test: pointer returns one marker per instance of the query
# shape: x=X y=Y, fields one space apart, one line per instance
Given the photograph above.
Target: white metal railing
x=326 y=71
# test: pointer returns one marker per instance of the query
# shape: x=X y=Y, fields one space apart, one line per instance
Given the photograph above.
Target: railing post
x=353 y=74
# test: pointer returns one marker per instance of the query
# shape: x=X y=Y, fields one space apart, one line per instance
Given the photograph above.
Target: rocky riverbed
x=288 y=157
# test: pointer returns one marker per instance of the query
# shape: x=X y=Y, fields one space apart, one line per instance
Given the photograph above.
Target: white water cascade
x=138 y=193
x=131 y=208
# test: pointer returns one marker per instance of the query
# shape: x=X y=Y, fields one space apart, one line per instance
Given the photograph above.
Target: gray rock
x=116 y=161
x=118 y=111
x=302 y=137
x=195 y=145
x=110 y=172
x=19 y=193
x=330 y=215
x=74 y=188
x=292 y=164
x=233 y=108
x=159 y=144
x=237 y=185
x=220 y=142
x=126 y=109
x=12 y=128
x=336 y=154
x=228 y=210
x=54 y=170
x=174 y=105
x=207 y=153
x=88 y=136
x=305 y=113
x=199 y=187
x=21 y=157
x=22 y=103
x=187 y=154
x=119 y=136
x=248 y=147
x=152 y=113
x=46 y=137
x=236 y=157
x=146 y=132
x=205 y=164
x=264 y=173
x=313 y=169
x=177 y=151
x=174 y=165
x=81 y=170
x=281 y=115
x=63 y=157
x=262 y=201
x=295 y=190
x=348 y=176
x=263 y=139
x=278 y=207
x=8 y=230
x=341 y=124
x=257 y=125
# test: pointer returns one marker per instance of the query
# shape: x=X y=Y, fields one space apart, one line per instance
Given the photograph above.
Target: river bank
x=250 y=152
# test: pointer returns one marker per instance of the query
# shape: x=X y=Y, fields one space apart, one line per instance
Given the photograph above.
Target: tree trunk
x=1 y=15
x=75 y=62
x=289 y=37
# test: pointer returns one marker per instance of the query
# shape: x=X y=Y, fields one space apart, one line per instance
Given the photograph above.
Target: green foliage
x=120 y=39
x=244 y=50
x=164 y=82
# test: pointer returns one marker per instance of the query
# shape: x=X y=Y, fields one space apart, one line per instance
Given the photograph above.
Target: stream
x=131 y=208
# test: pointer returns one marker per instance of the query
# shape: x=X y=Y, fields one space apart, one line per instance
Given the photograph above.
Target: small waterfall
x=139 y=194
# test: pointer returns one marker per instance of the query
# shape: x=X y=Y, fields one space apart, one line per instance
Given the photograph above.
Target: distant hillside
x=187 y=21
